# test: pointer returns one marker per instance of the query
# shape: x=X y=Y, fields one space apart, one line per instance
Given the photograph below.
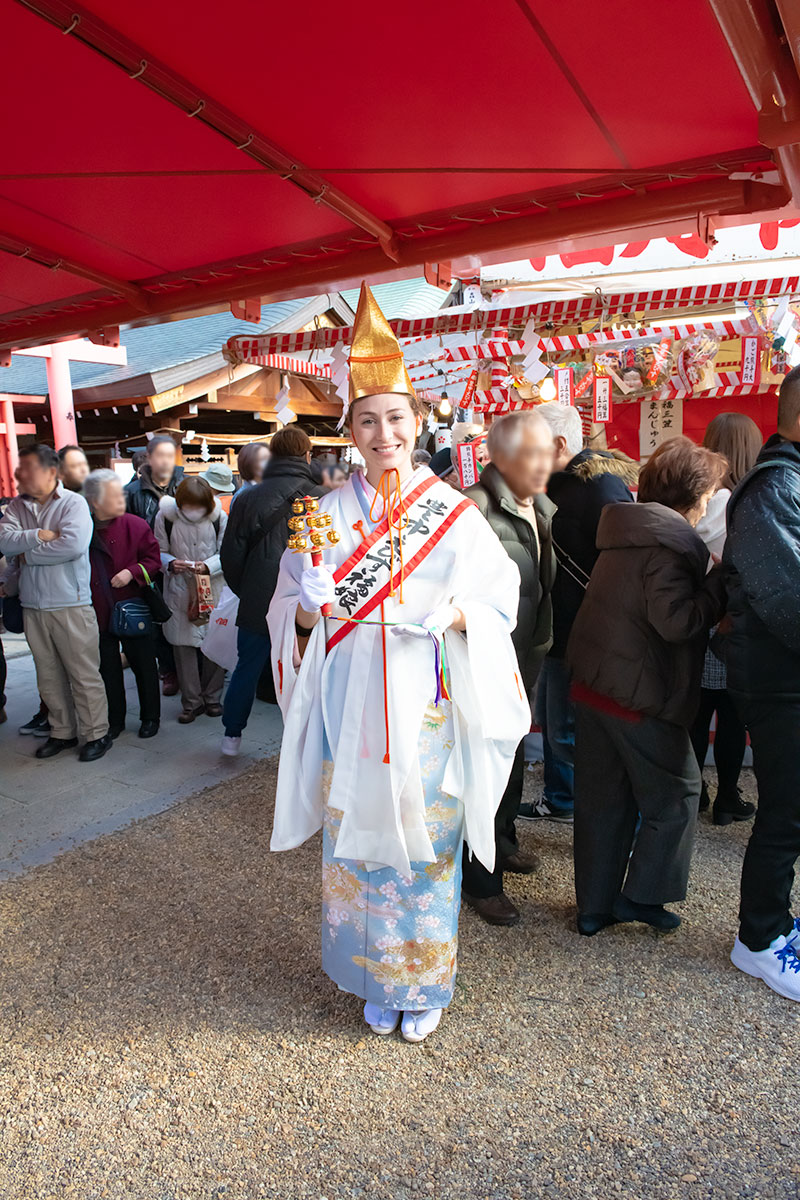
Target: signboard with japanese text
x=565 y=391
x=659 y=421
x=602 y=398
x=751 y=360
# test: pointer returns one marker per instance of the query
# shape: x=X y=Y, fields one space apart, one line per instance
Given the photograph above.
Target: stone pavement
x=46 y=807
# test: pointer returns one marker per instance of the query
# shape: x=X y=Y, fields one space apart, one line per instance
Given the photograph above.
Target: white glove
x=317 y=587
x=436 y=623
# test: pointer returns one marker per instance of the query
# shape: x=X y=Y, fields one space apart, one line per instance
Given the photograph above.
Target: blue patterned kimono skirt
x=388 y=939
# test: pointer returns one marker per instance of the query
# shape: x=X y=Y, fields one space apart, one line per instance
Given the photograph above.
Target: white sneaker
x=417 y=1025
x=231 y=746
x=778 y=965
x=382 y=1021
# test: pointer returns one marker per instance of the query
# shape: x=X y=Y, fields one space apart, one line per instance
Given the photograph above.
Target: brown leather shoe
x=189 y=714
x=519 y=863
x=495 y=910
x=213 y=710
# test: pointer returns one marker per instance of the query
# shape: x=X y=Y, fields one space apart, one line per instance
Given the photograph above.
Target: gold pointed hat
x=376 y=360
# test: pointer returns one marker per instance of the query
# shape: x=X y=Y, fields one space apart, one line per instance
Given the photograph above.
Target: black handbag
x=12 y=614
x=160 y=611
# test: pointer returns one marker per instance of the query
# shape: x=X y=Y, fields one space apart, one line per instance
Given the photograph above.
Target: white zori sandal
x=382 y=1021
x=417 y=1025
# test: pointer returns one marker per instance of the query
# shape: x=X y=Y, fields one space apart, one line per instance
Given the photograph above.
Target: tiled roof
x=405 y=298
x=151 y=349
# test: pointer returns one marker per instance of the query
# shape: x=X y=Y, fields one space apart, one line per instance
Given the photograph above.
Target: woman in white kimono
x=402 y=710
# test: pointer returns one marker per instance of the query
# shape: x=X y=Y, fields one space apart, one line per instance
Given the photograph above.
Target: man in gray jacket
x=48 y=529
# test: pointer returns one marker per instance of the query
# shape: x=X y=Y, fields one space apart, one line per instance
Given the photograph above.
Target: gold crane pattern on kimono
x=389 y=939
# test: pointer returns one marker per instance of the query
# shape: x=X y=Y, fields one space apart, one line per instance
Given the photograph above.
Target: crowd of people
x=625 y=607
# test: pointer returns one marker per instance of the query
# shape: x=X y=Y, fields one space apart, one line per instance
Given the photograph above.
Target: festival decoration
x=308 y=531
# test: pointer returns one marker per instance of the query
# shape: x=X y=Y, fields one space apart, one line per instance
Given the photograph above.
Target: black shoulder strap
x=216 y=526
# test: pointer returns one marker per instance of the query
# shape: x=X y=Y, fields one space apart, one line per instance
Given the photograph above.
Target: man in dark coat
x=511 y=497
x=761 y=562
x=582 y=484
x=157 y=478
x=254 y=541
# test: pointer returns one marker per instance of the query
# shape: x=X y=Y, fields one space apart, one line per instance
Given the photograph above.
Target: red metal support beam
x=138 y=64
x=790 y=17
x=614 y=219
x=751 y=29
x=58 y=262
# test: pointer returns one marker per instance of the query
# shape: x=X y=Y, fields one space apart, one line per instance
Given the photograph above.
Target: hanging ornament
x=204 y=454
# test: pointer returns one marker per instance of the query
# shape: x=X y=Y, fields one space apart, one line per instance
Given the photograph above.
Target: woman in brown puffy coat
x=636 y=655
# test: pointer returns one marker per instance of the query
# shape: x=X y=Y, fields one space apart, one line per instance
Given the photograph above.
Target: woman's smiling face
x=384 y=428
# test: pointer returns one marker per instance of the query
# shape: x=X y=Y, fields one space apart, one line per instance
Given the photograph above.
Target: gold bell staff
x=308 y=529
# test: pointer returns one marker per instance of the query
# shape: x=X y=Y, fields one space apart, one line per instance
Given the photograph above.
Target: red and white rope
x=582 y=307
x=583 y=341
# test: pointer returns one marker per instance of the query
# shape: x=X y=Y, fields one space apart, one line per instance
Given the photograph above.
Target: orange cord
x=395 y=513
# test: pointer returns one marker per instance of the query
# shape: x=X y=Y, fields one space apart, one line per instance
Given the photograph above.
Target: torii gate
x=59 y=386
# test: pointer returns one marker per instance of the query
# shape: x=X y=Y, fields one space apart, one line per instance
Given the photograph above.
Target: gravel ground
x=166 y=1033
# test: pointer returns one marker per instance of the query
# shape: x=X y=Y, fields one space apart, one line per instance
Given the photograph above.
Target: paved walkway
x=46 y=807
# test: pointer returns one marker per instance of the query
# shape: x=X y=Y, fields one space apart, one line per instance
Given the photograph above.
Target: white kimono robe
x=333 y=705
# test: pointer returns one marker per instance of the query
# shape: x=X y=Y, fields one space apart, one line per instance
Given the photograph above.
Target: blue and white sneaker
x=543 y=811
x=778 y=965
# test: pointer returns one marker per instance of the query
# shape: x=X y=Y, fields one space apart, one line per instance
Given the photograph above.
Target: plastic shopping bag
x=219 y=644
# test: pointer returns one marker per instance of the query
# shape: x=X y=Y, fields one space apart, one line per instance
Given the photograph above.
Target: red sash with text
x=365 y=580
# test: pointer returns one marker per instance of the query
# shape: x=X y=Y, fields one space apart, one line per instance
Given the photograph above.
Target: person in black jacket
x=582 y=484
x=157 y=478
x=255 y=539
x=761 y=562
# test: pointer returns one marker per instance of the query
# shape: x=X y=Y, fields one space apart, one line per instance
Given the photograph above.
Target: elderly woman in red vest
x=122 y=549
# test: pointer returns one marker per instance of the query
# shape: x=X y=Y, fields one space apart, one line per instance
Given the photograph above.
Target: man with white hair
x=511 y=495
x=582 y=484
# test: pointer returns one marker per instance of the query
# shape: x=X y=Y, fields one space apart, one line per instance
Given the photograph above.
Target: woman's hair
x=414 y=403
x=290 y=442
x=738 y=439
x=247 y=460
x=678 y=473
x=195 y=491
x=94 y=485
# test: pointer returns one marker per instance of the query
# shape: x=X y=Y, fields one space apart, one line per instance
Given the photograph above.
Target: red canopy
x=165 y=157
